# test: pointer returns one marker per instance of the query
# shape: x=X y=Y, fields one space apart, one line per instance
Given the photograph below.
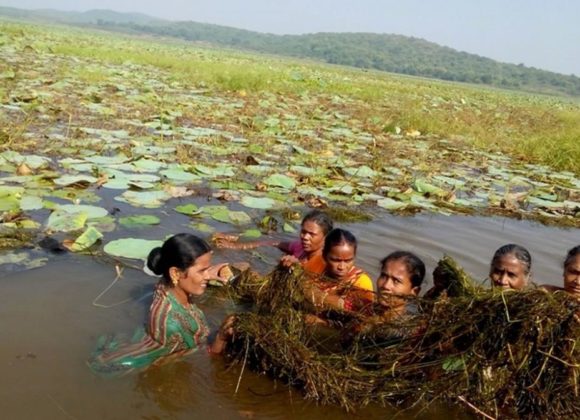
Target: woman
x=401 y=276
x=343 y=285
x=307 y=250
x=510 y=267
x=176 y=326
x=571 y=274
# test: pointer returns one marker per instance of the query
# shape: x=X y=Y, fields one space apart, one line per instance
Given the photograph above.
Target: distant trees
x=392 y=53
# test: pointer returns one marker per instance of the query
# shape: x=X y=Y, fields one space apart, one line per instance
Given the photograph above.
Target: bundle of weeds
x=502 y=353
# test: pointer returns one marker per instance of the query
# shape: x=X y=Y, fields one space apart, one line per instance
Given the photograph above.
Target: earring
x=174 y=281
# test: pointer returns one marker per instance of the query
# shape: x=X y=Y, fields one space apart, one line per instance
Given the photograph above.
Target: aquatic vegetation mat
x=509 y=354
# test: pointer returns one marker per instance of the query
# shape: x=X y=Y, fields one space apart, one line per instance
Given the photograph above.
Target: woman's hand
x=224 y=334
x=288 y=261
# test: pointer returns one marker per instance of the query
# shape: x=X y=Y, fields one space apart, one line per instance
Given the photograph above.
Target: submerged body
x=173 y=330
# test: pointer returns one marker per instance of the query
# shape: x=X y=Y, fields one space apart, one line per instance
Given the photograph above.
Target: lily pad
x=28 y=203
x=147 y=199
x=280 y=180
x=188 y=209
x=139 y=220
x=252 y=233
x=88 y=238
x=132 y=248
x=62 y=221
x=390 y=204
x=257 y=202
x=92 y=212
x=67 y=180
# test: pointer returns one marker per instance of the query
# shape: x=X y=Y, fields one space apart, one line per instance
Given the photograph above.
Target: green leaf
x=257 y=202
x=279 y=180
x=92 y=212
x=188 y=209
x=88 y=238
x=139 y=221
x=390 y=204
x=28 y=203
x=62 y=221
x=239 y=218
x=67 y=180
x=424 y=187
x=132 y=248
x=252 y=233
x=453 y=363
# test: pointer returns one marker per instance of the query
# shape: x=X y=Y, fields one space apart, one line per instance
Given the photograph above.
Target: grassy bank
x=532 y=128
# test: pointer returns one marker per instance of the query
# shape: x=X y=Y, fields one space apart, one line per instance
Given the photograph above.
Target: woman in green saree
x=176 y=326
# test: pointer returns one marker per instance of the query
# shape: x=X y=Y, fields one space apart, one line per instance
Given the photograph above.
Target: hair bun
x=154 y=261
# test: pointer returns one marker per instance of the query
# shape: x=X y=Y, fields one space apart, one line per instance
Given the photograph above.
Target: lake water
x=49 y=326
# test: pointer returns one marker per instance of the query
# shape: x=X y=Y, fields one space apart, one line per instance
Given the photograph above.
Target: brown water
x=49 y=326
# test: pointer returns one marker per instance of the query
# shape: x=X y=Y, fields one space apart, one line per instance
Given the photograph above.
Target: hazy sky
x=539 y=33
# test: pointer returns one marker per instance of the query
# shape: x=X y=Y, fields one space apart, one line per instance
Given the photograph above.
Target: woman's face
x=311 y=236
x=572 y=276
x=340 y=260
x=193 y=280
x=508 y=272
x=395 y=280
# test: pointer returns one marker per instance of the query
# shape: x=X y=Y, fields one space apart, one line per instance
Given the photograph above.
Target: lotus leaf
x=257 y=202
x=361 y=172
x=179 y=175
x=66 y=180
x=202 y=227
x=279 y=180
x=139 y=220
x=87 y=239
x=424 y=187
x=28 y=203
x=390 y=204
x=189 y=209
x=132 y=248
x=62 y=221
x=92 y=212
x=252 y=233
x=147 y=199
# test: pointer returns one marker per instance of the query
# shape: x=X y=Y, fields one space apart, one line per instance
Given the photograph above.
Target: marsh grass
x=532 y=128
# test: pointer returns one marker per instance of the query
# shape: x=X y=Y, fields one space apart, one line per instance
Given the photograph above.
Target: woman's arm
x=228 y=241
x=223 y=336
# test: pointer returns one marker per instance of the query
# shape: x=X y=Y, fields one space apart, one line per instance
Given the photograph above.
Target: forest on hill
x=384 y=52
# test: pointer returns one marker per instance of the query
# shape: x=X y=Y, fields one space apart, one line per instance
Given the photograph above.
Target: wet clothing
x=173 y=330
x=315 y=264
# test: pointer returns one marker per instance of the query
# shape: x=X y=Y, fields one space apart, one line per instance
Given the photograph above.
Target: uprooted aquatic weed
x=502 y=353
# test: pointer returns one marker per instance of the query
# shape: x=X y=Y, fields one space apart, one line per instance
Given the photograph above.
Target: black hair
x=572 y=253
x=336 y=237
x=321 y=219
x=518 y=251
x=179 y=251
x=415 y=266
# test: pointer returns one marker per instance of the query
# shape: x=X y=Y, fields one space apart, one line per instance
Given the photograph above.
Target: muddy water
x=49 y=325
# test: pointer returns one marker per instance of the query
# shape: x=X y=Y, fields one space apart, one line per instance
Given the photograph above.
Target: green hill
x=385 y=52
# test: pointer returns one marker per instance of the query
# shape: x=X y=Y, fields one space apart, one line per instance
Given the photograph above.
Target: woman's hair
x=179 y=251
x=572 y=253
x=337 y=237
x=320 y=218
x=521 y=254
x=413 y=263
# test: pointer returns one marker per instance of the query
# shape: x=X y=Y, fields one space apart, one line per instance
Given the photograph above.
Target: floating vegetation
x=140 y=137
x=343 y=214
x=500 y=353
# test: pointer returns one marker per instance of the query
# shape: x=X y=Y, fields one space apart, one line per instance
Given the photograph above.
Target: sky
x=538 y=33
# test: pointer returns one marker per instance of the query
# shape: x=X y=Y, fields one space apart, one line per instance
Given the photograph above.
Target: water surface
x=50 y=324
